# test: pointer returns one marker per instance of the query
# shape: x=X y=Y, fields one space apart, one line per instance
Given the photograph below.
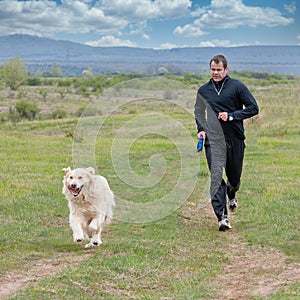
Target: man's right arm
x=199 y=112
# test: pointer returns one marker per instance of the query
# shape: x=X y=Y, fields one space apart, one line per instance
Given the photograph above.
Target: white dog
x=90 y=202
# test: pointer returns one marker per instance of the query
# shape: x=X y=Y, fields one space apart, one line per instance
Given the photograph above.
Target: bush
x=13 y=115
x=14 y=72
x=65 y=82
x=34 y=81
x=88 y=112
x=58 y=114
x=27 y=110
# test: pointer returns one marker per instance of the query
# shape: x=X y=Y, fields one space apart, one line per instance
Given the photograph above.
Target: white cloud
x=110 y=41
x=290 y=8
x=106 y=17
x=173 y=8
x=189 y=31
x=45 y=17
x=167 y=46
x=172 y=46
x=142 y=34
x=198 y=12
x=30 y=17
x=139 y=10
x=224 y=14
x=220 y=43
x=112 y=18
x=145 y=36
x=138 y=29
x=215 y=43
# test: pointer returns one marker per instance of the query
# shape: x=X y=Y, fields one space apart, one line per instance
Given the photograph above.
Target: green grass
x=176 y=257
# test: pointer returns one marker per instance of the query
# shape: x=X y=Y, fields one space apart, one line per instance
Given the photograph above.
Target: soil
x=251 y=271
x=254 y=271
x=11 y=283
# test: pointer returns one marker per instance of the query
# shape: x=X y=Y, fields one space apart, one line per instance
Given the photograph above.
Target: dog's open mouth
x=74 y=189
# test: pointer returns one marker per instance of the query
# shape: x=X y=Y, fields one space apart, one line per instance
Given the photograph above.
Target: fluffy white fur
x=90 y=202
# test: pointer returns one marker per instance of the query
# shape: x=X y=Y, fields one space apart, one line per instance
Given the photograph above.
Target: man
x=221 y=106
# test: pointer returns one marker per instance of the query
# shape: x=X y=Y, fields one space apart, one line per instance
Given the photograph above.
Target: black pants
x=222 y=155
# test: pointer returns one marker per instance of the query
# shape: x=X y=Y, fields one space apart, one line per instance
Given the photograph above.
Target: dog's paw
x=78 y=239
x=93 y=244
x=96 y=242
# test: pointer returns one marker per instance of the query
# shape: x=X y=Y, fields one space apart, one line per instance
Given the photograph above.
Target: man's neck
x=217 y=83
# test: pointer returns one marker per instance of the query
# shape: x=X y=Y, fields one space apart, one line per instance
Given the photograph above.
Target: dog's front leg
x=76 y=227
x=95 y=232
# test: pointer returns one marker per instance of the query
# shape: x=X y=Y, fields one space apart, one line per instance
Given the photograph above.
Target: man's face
x=217 y=71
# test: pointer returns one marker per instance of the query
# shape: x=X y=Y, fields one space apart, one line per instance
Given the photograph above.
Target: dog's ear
x=91 y=170
x=66 y=170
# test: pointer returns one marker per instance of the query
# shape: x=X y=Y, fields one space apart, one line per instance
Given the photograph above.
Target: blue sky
x=156 y=24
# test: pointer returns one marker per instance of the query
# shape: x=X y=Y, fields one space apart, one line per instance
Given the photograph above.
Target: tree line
x=14 y=74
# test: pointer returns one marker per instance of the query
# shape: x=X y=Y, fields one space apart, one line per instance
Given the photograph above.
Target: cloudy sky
x=155 y=23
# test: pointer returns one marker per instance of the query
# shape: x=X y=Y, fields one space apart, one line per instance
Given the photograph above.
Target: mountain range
x=73 y=58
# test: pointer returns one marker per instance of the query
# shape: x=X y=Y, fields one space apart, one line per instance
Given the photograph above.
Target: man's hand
x=223 y=116
x=201 y=133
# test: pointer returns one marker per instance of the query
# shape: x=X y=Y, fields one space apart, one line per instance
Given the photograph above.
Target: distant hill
x=73 y=58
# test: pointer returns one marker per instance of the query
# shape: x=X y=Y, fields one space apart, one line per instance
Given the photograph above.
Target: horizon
x=136 y=47
x=74 y=57
x=156 y=24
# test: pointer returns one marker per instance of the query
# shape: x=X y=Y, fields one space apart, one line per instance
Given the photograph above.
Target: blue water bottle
x=200 y=143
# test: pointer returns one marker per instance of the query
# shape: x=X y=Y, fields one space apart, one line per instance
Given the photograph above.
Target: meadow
x=164 y=242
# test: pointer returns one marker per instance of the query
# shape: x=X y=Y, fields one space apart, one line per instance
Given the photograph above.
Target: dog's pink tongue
x=75 y=190
x=72 y=188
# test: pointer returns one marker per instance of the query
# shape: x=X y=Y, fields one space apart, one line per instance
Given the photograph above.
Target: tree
x=27 y=110
x=44 y=93
x=14 y=72
x=87 y=72
x=56 y=70
x=162 y=71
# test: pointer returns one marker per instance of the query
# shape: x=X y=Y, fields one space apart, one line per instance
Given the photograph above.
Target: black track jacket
x=231 y=96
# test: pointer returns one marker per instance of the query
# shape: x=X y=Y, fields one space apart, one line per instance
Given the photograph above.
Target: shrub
x=65 y=82
x=34 y=81
x=14 y=72
x=87 y=112
x=58 y=114
x=27 y=109
x=13 y=115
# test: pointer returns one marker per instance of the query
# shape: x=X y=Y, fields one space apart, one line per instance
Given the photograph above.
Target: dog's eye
x=71 y=177
x=79 y=177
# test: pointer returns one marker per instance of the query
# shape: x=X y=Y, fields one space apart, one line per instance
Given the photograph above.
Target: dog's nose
x=73 y=185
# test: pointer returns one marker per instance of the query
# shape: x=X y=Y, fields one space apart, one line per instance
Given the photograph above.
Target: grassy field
x=179 y=255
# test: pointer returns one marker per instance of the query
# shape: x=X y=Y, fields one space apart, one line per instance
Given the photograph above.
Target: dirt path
x=254 y=271
x=251 y=271
x=11 y=283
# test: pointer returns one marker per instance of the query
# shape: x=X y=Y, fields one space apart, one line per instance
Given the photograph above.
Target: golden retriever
x=90 y=202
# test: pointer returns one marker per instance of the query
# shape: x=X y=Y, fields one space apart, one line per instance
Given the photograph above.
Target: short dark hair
x=219 y=58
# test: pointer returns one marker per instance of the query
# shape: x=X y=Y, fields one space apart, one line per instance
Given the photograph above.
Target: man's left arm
x=250 y=105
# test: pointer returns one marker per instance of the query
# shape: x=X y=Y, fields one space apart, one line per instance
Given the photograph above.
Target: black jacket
x=231 y=96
